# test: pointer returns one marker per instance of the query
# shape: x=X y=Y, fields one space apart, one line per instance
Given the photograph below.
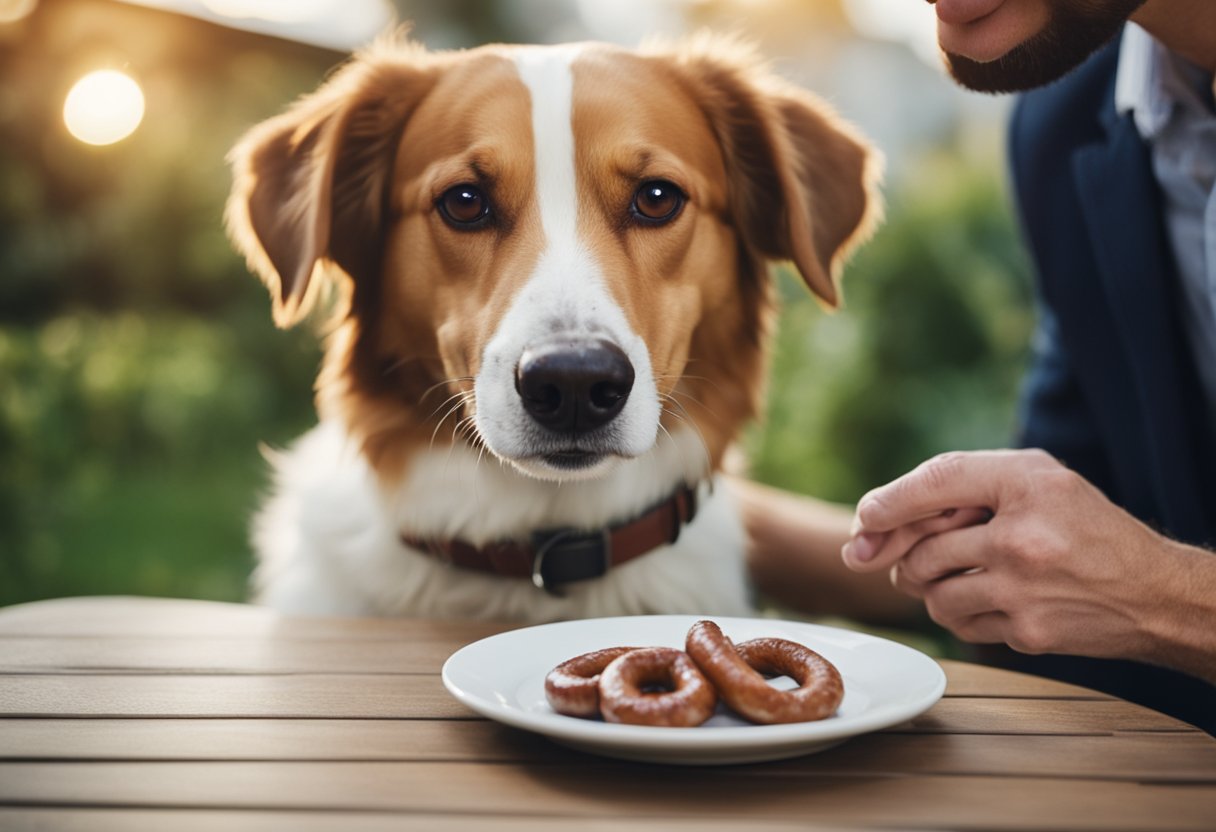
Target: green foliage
x=129 y=450
x=925 y=357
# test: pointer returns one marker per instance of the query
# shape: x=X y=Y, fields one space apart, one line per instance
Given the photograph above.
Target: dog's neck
x=457 y=491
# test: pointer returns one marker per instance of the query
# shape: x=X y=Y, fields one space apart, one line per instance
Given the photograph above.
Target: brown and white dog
x=552 y=317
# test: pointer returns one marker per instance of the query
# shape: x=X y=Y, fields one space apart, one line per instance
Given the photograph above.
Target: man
x=1114 y=165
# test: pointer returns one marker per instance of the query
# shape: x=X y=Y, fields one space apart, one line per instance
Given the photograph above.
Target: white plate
x=503 y=678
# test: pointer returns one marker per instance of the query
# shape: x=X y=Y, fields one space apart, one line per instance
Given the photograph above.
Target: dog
x=552 y=308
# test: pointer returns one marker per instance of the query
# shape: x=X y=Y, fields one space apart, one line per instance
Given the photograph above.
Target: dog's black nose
x=574 y=385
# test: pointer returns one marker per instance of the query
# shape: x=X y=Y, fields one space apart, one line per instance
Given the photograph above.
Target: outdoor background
x=139 y=369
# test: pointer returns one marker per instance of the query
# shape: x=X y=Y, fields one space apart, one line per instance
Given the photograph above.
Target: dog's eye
x=657 y=201
x=464 y=207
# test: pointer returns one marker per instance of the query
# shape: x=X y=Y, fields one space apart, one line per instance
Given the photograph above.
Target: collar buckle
x=565 y=555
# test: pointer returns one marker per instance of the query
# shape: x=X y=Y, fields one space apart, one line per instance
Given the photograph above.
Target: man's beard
x=1076 y=30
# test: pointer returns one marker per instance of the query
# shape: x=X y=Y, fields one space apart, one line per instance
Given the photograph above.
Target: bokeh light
x=103 y=107
x=13 y=10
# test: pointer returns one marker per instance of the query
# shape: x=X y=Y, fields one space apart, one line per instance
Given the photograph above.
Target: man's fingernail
x=864 y=547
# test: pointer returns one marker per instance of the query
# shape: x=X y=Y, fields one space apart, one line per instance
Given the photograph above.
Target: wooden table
x=146 y=714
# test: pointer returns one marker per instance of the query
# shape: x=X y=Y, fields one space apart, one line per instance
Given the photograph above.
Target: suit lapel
x=1120 y=204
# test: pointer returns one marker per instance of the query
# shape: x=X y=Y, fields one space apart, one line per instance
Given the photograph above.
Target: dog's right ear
x=311 y=185
x=803 y=183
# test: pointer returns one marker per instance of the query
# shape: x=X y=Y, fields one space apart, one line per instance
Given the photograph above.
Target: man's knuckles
x=878 y=507
x=936 y=473
x=1027 y=548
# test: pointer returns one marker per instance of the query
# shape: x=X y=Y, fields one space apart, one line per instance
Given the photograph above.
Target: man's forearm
x=1183 y=630
x=794 y=558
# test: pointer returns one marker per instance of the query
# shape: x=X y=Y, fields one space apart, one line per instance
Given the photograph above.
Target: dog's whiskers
x=676 y=391
x=457 y=395
x=708 y=412
x=465 y=429
x=453 y=409
x=439 y=384
x=686 y=418
x=687 y=377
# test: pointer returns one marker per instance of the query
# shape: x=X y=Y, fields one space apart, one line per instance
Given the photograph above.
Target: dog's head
x=569 y=242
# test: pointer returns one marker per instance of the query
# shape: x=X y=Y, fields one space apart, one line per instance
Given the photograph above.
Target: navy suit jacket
x=1112 y=390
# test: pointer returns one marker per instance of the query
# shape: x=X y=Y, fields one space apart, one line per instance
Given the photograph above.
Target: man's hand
x=1011 y=546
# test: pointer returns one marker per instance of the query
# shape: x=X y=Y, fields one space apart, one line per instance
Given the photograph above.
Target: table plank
x=274 y=739
x=1139 y=758
x=158 y=820
x=601 y=791
x=180 y=619
x=991 y=715
x=300 y=696
x=975 y=680
x=1145 y=757
x=356 y=696
x=423 y=653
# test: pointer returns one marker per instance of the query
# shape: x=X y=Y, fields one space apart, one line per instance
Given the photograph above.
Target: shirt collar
x=1150 y=82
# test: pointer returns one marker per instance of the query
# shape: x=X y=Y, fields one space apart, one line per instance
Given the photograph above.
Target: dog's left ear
x=311 y=185
x=804 y=183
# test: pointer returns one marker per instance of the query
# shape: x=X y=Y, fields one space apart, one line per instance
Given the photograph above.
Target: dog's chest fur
x=329 y=541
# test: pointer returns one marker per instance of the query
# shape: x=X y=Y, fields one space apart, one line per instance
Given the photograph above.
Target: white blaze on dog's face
x=552 y=235
x=565 y=385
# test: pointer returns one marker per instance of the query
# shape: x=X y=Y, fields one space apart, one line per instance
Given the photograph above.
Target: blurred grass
x=139 y=533
x=926 y=355
x=129 y=450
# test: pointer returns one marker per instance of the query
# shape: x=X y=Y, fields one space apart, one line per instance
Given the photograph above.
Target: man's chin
x=1070 y=37
x=1006 y=74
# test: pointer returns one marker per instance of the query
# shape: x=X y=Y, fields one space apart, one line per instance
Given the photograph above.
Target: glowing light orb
x=13 y=10
x=103 y=107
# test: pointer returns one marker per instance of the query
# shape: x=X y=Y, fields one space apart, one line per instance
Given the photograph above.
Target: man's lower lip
x=963 y=12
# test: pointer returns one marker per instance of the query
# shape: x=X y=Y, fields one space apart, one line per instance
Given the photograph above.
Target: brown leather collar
x=554 y=557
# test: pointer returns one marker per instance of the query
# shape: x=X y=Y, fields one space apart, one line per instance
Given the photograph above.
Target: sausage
x=736 y=673
x=572 y=688
x=656 y=686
